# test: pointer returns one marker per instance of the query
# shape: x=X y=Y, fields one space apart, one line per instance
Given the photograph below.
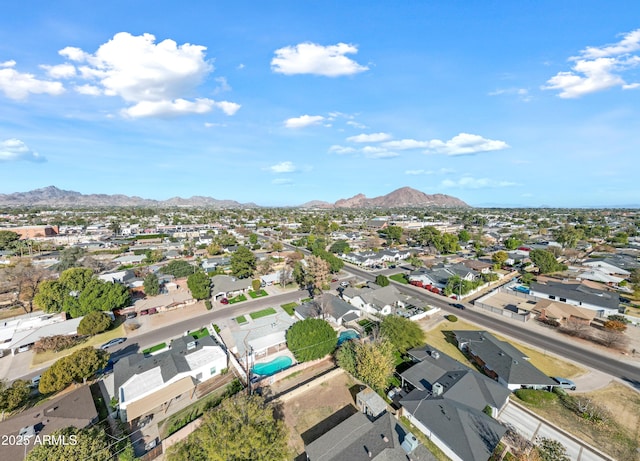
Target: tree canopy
x=393 y=234
x=382 y=280
x=78 y=292
x=78 y=367
x=372 y=363
x=8 y=239
x=93 y=323
x=241 y=428
x=200 y=285
x=402 y=333
x=80 y=445
x=14 y=396
x=178 y=268
x=340 y=246
x=243 y=263
x=151 y=284
x=443 y=243
x=311 y=339
x=546 y=261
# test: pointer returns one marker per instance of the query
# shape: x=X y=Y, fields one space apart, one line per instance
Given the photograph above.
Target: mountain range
x=54 y=197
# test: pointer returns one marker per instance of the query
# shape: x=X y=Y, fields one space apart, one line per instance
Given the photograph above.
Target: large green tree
x=393 y=234
x=8 y=239
x=14 y=396
x=545 y=261
x=93 y=323
x=372 y=362
x=151 y=284
x=200 y=285
x=243 y=263
x=178 y=268
x=79 y=445
x=241 y=428
x=311 y=339
x=382 y=280
x=402 y=333
x=77 y=367
x=340 y=246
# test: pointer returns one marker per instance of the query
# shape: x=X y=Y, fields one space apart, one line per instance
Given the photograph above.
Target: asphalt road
x=514 y=329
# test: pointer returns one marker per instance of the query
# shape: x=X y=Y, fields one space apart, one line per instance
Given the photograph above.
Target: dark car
x=144 y=312
x=459 y=306
x=113 y=342
x=153 y=310
x=224 y=301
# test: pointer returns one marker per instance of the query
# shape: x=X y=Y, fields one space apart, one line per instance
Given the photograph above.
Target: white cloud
x=465 y=144
x=18 y=85
x=14 y=149
x=154 y=77
x=60 y=71
x=406 y=144
x=311 y=58
x=467 y=182
x=282 y=181
x=223 y=85
x=303 y=121
x=355 y=124
x=283 y=167
x=211 y=125
x=441 y=171
x=372 y=137
x=598 y=68
x=378 y=152
x=90 y=90
x=342 y=150
x=521 y=93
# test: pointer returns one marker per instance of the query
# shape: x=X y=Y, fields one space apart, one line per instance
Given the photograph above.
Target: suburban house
x=211 y=264
x=130 y=259
x=374 y=299
x=579 y=294
x=449 y=402
x=370 y=259
x=225 y=286
x=359 y=438
x=501 y=361
x=19 y=333
x=614 y=265
x=481 y=267
x=438 y=276
x=547 y=309
x=75 y=409
x=330 y=308
x=145 y=385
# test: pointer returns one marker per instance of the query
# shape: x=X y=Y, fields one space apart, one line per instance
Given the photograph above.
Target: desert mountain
x=401 y=198
x=52 y=196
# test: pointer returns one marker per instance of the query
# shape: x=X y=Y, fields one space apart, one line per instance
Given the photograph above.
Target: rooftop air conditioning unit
x=191 y=345
x=409 y=443
x=437 y=389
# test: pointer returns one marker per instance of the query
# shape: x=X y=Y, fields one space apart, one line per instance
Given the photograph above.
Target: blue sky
x=278 y=103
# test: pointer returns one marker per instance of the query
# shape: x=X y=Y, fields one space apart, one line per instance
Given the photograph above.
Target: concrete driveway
x=532 y=426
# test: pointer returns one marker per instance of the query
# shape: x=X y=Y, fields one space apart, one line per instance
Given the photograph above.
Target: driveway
x=531 y=426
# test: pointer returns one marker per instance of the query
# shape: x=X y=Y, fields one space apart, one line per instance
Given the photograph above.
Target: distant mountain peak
x=399 y=198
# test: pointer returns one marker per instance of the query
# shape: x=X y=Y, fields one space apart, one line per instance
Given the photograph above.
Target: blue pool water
x=271 y=368
x=521 y=289
x=347 y=335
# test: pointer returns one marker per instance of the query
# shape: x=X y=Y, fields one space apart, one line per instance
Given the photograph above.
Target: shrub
x=93 y=323
x=208 y=304
x=311 y=339
x=255 y=284
x=56 y=343
x=452 y=318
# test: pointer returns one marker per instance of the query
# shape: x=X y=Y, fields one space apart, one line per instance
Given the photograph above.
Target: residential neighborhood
x=464 y=318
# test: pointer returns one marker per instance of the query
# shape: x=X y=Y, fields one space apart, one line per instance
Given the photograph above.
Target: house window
x=213 y=371
x=552 y=297
x=199 y=376
x=564 y=300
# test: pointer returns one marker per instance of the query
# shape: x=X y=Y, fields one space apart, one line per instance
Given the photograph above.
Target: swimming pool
x=347 y=335
x=271 y=368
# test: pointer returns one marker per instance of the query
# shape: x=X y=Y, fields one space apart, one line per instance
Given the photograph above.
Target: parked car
x=144 y=312
x=564 y=383
x=132 y=315
x=113 y=342
x=35 y=381
x=459 y=306
x=344 y=284
x=153 y=310
x=224 y=301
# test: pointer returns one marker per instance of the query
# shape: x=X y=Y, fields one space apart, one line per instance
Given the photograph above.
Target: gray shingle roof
x=504 y=359
x=470 y=433
x=578 y=292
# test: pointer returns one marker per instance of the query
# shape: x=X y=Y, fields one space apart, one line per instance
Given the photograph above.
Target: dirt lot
x=314 y=412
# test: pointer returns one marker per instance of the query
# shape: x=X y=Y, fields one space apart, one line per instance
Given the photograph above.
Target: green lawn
x=241 y=319
x=399 y=278
x=237 y=299
x=257 y=294
x=289 y=308
x=263 y=313
x=200 y=333
x=305 y=300
x=155 y=348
